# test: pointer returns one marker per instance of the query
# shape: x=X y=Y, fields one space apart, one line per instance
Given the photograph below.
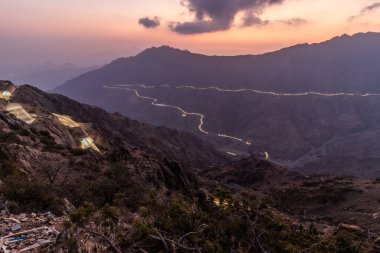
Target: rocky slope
x=319 y=198
x=135 y=198
x=114 y=128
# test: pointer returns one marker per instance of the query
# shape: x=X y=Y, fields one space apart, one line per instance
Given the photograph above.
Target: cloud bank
x=365 y=10
x=219 y=15
x=295 y=21
x=150 y=22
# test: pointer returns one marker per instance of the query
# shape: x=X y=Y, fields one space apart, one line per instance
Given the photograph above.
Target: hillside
x=161 y=141
x=322 y=198
x=72 y=180
x=322 y=132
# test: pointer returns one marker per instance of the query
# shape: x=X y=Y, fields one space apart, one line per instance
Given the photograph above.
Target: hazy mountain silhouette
x=49 y=78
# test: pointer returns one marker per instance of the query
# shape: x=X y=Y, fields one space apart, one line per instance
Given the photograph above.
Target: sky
x=93 y=32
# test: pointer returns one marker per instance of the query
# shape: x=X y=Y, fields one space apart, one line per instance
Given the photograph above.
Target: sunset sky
x=92 y=32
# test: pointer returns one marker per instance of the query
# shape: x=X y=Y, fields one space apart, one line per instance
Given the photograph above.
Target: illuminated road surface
x=20 y=113
x=154 y=102
x=66 y=121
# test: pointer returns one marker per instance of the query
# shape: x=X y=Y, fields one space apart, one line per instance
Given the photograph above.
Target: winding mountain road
x=308 y=93
x=184 y=113
x=202 y=117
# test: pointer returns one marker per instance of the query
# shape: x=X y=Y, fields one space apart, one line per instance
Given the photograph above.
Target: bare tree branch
x=106 y=239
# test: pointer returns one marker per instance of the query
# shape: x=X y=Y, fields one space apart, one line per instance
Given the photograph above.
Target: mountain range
x=342 y=64
x=263 y=99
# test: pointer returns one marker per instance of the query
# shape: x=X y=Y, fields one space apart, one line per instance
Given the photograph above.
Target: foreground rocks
x=28 y=232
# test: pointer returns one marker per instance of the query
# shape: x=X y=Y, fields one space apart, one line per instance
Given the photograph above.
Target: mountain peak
x=163 y=50
x=356 y=37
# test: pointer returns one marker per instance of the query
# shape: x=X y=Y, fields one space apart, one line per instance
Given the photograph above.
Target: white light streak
x=184 y=113
x=136 y=85
x=202 y=117
x=242 y=90
x=308 y=93
x=155 y=103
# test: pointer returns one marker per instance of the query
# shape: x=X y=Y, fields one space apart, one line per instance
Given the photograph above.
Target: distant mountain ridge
x=345 y=63
x=50 y=78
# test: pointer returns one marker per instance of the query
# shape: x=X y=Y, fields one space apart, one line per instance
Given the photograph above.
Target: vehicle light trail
x=234 y=138
x=308 y=93
x=241 y=90
x=272 y=93
x=184 y=113
x=66 y=121
x=137 y=85
x=155 y=103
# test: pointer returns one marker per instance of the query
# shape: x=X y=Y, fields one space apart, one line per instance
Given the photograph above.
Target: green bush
x=83 y=214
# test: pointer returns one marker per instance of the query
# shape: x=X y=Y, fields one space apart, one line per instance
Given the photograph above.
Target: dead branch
x=106 y=239
x=164 y=239
x=136 y=248
x=259 y=242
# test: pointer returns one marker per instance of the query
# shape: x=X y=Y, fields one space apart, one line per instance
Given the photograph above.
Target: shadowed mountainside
x=322 y=198
x=312 y=133
x=346 y=63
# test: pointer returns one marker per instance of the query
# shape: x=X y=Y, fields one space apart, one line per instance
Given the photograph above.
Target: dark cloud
x=251 y=19
x=199 y=26
x=371 y=7
x=366 y=10
x=149 y=22
x=294 y=21
x=219 y=15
